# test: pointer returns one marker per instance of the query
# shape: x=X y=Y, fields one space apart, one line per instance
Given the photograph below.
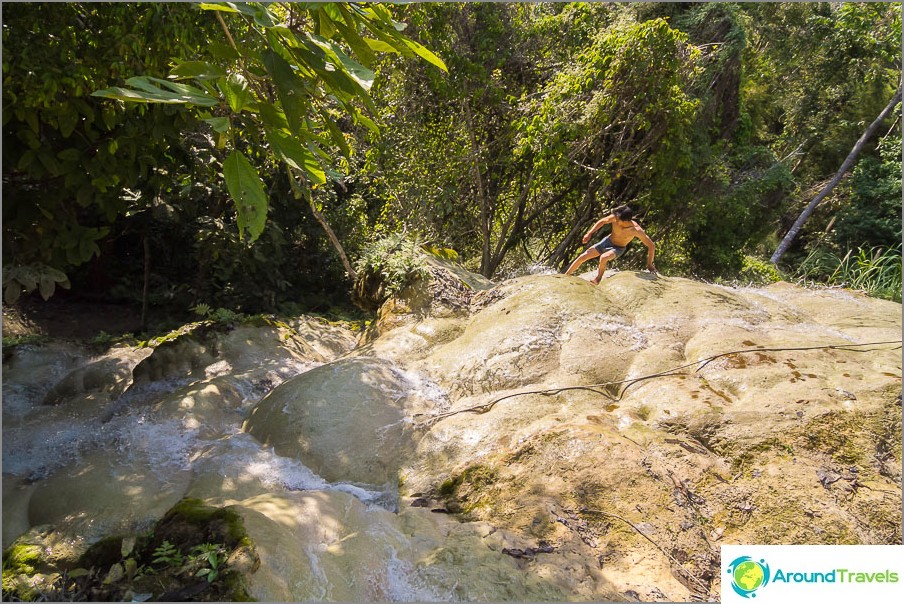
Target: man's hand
x=585 y=238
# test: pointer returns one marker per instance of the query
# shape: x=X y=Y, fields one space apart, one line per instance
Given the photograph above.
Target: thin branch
x=659 y=547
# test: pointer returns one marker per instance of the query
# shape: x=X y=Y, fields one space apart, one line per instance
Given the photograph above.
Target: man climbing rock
x=624 y=230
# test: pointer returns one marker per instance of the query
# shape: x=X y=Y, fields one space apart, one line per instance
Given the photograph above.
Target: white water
x=77 y=462
x=39 y=440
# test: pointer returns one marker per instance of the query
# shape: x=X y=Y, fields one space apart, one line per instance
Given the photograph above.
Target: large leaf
x=272 y=117
x=247 y=192
x=11 y=292
x=235 y=89
x=296 y=155
x=219 y=124
x=349 y=32
x=361 y=74
x=291 y=92
x=425 y=54
x=336 y=134
x=155 y=90
x=225 y=7
x=319 y=56
x=256 y=10
x=380 y=46
x=200 y=70
x=136 y=96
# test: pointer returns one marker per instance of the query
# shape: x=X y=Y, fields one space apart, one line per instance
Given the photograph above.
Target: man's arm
x=651 y=248
x=599 y=224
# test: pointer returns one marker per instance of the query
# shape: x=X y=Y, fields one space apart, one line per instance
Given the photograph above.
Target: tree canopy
x=245 y=154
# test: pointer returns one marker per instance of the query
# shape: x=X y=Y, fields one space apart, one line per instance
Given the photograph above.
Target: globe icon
x=748 y=575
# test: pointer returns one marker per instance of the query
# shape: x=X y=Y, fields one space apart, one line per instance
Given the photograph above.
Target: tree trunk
x=305 y=192
x=486 y=217
x=848 y=163
x=333 y=238
x=147 y=280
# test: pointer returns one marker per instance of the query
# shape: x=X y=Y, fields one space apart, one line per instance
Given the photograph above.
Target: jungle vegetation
x=248 y=155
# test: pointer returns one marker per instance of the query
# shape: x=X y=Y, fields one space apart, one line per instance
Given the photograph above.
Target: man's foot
x=595 y=280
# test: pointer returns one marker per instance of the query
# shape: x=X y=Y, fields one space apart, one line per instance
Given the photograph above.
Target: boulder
x=345 y=420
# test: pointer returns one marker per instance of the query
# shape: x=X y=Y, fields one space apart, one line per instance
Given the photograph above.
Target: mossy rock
x=20 y=562
x=194 y=553
x=469 y=490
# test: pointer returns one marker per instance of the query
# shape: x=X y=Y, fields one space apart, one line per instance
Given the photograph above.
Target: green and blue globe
x=748 y=575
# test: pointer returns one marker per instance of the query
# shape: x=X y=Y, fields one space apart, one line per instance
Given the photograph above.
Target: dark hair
x=623 y=213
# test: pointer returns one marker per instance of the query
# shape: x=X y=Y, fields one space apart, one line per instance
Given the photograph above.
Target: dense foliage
x=266 y=148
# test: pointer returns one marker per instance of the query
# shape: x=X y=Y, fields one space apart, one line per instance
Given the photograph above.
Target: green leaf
x=220 y=50
x=200 y=70
x=354 y=39
x=257 y=11
x=46 y=287
x=296 y=155
x=425 y=54
x=77 y=572
x=247 y=192
x=321 y=55
x=336 y=134
x=380 y=46
x=49 y=161
x=219 y=124
x=273 y=117
x=362 y=119
x=11 y=292
x=27 y=278
x=324 y=24
x=361 y=74
x=87 y=248
x=290 y=90
x=68 y=120
x=31 y=118
x=235 y=89
x=152 y=84
x=69 y=154
x=225 y=7
x=155 y=90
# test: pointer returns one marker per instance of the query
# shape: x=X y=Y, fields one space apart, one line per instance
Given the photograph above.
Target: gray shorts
x=605 y=245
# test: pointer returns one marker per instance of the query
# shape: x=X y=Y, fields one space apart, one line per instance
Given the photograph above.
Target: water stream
x=97 y=464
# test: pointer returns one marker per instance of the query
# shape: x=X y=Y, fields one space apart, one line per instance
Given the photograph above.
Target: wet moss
x=195 y=552
x=837 y=434
x=742 y=460
x=19 y=559
x=215 y=525
x=468 y=491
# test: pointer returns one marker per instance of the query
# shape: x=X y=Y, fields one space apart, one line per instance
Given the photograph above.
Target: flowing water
x=97 y=464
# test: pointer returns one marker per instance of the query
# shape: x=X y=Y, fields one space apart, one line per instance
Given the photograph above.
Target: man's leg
x=604 y=260
x=588 y=254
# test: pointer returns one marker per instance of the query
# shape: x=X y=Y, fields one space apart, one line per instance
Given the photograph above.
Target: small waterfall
x=95 y=464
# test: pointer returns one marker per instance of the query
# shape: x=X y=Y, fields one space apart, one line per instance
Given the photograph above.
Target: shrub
x=386 y=267
x=876 y=271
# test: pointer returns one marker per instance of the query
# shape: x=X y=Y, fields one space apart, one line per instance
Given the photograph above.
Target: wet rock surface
x=539 y=439
x=578 y=442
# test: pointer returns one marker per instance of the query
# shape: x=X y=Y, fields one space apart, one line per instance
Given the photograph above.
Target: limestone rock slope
x=538 y=439
x=640 y=424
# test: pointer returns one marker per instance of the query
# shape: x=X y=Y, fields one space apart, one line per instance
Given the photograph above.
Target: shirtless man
x=624 y=230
